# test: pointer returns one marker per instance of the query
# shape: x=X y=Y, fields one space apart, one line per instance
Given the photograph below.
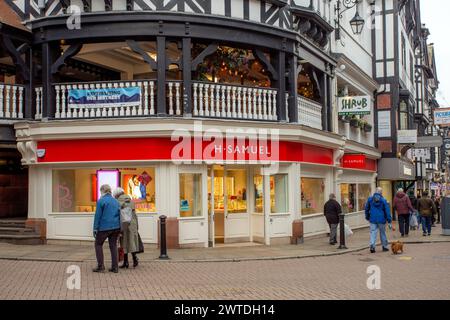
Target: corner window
x=313 y=195
x=191 y=195
x=279 y=194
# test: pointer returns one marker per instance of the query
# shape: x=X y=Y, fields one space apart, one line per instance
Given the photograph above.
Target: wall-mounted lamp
x=357 y=22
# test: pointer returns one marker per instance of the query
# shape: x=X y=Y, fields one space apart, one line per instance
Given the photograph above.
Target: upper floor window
x=232 y=66
x=403 y=52
x=404 y=115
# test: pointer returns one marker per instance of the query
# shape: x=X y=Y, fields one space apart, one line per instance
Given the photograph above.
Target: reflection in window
x=191 y=195
x=364 y=192
x=258 y=182
x=313 y=197
x=279 y=193
x=77 y=190
x=348 y=198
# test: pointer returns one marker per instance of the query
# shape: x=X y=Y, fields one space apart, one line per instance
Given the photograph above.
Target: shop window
x=348 y=198
x=308 y=83
x=279 y=193
x=258 y=182
x=313 y=195
x=191 y=195
x=364 y=192
x=237 y=193
x=77 y=190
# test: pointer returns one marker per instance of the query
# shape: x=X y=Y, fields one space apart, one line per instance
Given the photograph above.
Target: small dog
x=397 y=247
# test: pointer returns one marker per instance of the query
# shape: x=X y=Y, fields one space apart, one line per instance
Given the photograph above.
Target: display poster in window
x=354 y=106
x=106 y=97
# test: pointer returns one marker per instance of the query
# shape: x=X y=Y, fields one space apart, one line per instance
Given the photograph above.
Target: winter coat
x=130 y=236
x=377 y=210
x=402 y=204
x=332 y=210
x=107 y=214
x=426 y=207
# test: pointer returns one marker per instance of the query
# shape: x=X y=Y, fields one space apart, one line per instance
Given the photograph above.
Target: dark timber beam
x=136 y=48
x=16 y=55
x=292 y=84
x=280 y=84
x=187 y=77
x=70 y=52
x=49 y=56
x=207 y=52
x=161 y=67
x=261 y=56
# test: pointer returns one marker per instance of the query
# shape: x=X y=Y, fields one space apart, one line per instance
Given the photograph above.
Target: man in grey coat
x=332 y=210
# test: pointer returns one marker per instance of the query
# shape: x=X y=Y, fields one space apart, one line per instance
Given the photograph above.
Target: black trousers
x=112 y=237
x=403 y=222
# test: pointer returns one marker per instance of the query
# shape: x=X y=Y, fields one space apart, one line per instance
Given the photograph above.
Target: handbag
x=121 y=254
x=413 y=222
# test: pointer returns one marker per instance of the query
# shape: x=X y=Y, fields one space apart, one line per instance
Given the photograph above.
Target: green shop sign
x=358 y=105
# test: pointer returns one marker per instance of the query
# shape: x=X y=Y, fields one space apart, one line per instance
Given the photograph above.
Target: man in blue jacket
x=107 y=226
x=378 y=214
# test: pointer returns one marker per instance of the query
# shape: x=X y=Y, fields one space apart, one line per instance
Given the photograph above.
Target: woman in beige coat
x=129 y=240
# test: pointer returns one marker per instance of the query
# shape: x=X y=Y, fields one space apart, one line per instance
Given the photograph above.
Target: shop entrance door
x=229 y=214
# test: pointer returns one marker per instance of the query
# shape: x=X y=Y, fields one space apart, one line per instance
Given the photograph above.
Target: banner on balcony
x=358 y=105
x=106 y=97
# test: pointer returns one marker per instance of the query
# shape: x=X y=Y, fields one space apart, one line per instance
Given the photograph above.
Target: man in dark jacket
x=107 y=226
x=332 y=210
x=404 y=209
x=427 y=209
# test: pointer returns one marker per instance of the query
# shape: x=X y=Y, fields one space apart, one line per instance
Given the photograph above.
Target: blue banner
x=101 y=98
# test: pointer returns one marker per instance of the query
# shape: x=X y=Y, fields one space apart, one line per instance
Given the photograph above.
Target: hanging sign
x=358 y=105
x=442 y=117
x=106 y=97
x=407 y=136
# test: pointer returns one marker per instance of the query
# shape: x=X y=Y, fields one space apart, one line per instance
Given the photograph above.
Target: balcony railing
x=236 y=102
x=209 y=100
x=11 y=101
x=309 y=113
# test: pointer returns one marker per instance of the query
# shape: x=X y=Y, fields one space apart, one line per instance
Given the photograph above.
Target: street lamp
x=357 y=22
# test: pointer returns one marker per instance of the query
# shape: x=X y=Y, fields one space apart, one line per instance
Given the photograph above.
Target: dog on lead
x=397 y=247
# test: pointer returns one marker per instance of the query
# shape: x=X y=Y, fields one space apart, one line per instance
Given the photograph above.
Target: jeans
x=333 y=233
x=426 y=224
x=100 y=239
x=374 y=228
x=403 y=223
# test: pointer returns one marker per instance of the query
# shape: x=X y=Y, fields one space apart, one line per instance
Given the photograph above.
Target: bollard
x=163 y=242
x=342 y=245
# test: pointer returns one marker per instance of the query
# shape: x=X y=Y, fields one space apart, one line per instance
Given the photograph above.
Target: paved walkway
x=311 y=248
x=421 y=273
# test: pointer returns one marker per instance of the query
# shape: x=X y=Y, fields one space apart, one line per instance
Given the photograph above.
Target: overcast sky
x=435 y=14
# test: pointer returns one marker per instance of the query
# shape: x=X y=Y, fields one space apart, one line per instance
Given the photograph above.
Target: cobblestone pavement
x=421 y=273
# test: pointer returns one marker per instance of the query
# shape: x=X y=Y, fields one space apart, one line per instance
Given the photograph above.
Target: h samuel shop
x=213 y=188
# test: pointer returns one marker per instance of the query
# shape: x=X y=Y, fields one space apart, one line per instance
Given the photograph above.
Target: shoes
x=135 y=262
x=385 y=250
x=372 y=250
x=402 y=235
x=114 y=270
x=99 y=270
x=429 y=234
x=424 y=234
x=124 y=266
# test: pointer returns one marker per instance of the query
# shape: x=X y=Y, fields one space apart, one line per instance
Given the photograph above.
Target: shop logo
x=40 y=153
x=234 y=146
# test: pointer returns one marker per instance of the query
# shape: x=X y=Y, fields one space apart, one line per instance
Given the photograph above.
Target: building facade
x=146 y=94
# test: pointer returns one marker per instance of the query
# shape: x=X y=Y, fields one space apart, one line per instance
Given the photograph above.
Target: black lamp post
x=357 y=23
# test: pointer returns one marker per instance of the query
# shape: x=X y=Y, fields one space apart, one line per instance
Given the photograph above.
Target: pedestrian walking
x=427 y=209
x=106 y=226
x=332 y=211
x=437 y=215
x=402 y=205
x=130 y=240
x=378 y=214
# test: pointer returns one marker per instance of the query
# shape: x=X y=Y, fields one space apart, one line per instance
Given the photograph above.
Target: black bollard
x=163 y=242
x=342 y=245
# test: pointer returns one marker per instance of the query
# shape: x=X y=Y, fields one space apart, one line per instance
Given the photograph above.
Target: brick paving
x=421 y=273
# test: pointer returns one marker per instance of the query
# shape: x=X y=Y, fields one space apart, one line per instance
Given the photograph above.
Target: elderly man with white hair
x=107 y=226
